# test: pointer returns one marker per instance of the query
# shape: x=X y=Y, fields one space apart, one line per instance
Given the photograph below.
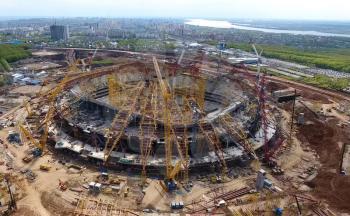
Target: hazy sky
x=269 y=9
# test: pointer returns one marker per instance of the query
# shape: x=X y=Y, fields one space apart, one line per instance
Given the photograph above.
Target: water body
x=226 y=24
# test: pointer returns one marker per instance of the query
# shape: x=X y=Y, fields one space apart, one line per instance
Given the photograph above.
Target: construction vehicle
x=115 y=181
x=27 y=158
x=278 y=211
x=13 y=137
x=177 y=205
x=62 y=185
x=215 y=179
x=277 y=170
x=45 y=167
x=38 y=149
x=126 y=192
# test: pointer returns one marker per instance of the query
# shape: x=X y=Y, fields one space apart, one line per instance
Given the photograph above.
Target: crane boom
x=121 y=120
x=29 y=136
x=175 y=170
x=163 y=85
x=167 y=119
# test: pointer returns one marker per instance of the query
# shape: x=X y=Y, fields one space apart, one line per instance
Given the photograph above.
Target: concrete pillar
x=260 y=180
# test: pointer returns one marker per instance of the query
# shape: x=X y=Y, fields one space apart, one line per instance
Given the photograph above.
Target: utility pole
x=12 y=206
x=298 y=205
x=292 y=117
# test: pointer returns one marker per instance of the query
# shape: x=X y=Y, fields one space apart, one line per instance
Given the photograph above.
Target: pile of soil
x=274 y=86
x=325 y=137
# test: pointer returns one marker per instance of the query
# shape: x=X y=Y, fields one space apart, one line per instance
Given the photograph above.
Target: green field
x=336 y=59
x=13 y=53
x=321 y=81
x=327 y=82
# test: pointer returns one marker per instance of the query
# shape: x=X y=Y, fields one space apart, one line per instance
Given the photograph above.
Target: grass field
x=336 y=59
x=321 y=81
x=327 y=82
x=12 y=53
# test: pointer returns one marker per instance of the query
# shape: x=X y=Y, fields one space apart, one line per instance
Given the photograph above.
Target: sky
x=223 y=9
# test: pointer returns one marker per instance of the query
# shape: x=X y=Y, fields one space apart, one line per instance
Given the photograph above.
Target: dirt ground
x=326 y=138
x=31 y=89
x=323 y=135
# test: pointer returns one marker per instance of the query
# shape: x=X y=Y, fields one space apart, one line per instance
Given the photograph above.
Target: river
x=226 y=24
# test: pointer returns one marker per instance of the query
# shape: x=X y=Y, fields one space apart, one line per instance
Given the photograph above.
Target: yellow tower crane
x=38 y=147
x=147 y=128
x=167 y=118
x=51 y=96
x=169 y=133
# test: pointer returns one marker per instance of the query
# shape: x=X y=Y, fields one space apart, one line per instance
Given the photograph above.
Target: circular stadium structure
x=122 y=115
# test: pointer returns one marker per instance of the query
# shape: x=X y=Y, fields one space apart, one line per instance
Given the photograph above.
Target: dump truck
x=45 y=167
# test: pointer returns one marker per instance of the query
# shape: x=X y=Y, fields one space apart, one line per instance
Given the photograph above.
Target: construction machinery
x=170 y=183
x=169 y=133
x=38 y=148
x=62 y=185
x=167 y=118
x=45 y=167
x=147 y=127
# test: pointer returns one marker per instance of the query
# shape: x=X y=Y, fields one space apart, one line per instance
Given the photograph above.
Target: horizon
x=298 y=10
x=9 y=18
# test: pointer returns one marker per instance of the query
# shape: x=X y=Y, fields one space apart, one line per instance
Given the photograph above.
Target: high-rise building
x=59 y=32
